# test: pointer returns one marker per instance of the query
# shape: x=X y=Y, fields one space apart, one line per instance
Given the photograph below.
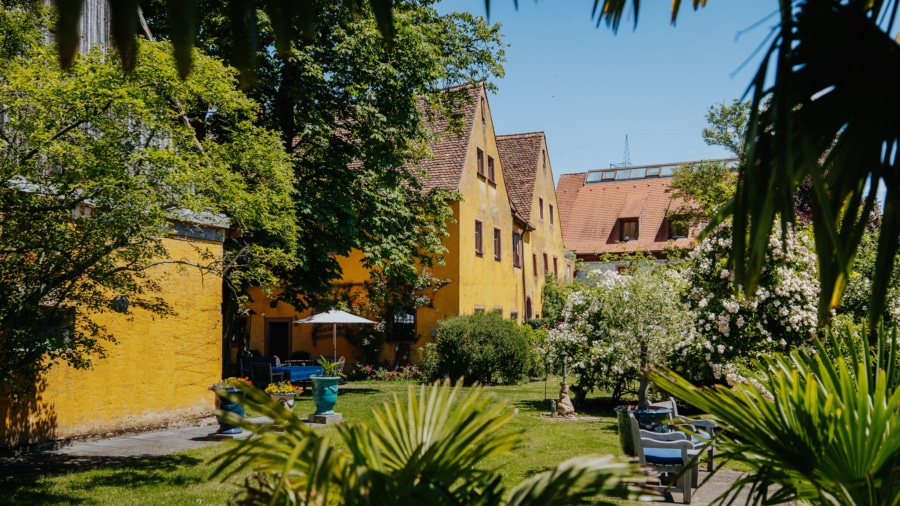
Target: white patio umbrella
x=334 y=317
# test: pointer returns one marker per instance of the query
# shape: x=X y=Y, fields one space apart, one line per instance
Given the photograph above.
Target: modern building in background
x=611 y=214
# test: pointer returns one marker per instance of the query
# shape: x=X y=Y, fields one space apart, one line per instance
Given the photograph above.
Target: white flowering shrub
x=730 y=328
x=620 y=323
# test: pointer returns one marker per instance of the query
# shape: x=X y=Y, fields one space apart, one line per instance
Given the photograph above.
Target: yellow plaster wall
x=158 y=373
x=484 y=281
x=447 y=300
x=547 y=236
x=301 y=337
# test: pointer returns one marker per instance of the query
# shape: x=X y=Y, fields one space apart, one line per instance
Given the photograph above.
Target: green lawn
x=183 y=478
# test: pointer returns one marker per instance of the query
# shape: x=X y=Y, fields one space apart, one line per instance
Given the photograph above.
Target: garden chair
x=261 y=375
x=702 y=432
x=671 y=455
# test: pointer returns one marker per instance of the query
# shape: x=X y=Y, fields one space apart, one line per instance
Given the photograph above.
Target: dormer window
x=678 y=227
x=629 y=229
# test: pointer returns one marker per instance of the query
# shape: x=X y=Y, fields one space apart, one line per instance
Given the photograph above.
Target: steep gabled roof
x=590 y=213
x=449 y=147
x=520 y=158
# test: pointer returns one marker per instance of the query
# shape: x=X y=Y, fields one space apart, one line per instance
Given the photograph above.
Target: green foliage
x=555 y=294
x=824 y=121
x=856 y=299
x=330 y=368
x=348 y=112
x=537 y=359
x=728 y=126
x=705 y=187
x=617 y=326
x=811 y=428
x=824 y=114
x=482 y=347
x=95 y=166
x=426 y=450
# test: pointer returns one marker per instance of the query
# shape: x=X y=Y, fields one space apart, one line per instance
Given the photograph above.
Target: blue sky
x=587 y=88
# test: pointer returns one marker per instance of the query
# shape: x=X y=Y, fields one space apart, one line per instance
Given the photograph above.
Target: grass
x=183 y=478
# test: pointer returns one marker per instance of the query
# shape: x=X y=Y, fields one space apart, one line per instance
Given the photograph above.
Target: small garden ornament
x=564 y=405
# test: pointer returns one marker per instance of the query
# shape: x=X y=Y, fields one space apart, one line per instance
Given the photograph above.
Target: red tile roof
x=449 y=147
x=520 y=158
x=589 y=214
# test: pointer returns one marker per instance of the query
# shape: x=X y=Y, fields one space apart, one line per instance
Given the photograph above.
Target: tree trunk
x=645 y=383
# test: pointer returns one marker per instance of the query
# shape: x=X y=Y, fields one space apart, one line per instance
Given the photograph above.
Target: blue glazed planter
x=231 y=407
x=325 y=390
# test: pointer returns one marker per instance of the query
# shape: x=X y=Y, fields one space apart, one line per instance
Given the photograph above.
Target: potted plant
x=283 y=392
x=325 y=387
x=232 y=385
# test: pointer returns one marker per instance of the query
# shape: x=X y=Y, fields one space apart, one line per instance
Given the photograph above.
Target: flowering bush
x=731 y=328
x=617 y=324
x=231 y=383
x=281 y=388
x=408 y=372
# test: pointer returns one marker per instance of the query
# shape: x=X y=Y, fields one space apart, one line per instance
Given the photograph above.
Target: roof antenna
x=626 y=160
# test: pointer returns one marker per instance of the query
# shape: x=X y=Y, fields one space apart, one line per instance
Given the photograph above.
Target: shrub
x=482 y=347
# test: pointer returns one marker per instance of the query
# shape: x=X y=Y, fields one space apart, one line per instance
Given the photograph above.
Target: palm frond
x=811 y=428
x=832 y=114
x=577 y=481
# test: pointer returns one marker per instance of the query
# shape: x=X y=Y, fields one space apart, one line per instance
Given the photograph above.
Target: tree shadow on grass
x=22 y=477
x=358 y=391
x=42 y=464
x=589 y=407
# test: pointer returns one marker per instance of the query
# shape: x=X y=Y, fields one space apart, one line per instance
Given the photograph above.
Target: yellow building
x=504 y=239
x=159 y=371
x=526 y=161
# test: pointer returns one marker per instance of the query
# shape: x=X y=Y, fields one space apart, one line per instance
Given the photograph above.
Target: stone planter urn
x=286 y=400
x=325 y=390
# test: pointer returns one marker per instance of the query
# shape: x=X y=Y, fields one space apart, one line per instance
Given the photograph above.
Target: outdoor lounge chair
x=702 y=432
x=671 y=455
x=261 y=375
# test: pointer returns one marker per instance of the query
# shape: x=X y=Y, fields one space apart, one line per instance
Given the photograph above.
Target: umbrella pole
x=334 y=340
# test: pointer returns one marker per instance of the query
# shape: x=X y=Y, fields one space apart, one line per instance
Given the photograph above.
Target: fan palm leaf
x=812 y=428
x=429 y=449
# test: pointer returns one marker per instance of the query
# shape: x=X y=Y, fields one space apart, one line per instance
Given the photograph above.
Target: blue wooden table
x=298 y=372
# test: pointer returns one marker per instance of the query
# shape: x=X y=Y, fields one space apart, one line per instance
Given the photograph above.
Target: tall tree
x=349 y=112
x=706 y=186
x=93 y=167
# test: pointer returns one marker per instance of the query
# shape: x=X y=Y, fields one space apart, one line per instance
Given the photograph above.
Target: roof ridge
x=522 y=134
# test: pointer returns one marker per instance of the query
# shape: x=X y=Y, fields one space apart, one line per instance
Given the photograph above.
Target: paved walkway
x=110 y=452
